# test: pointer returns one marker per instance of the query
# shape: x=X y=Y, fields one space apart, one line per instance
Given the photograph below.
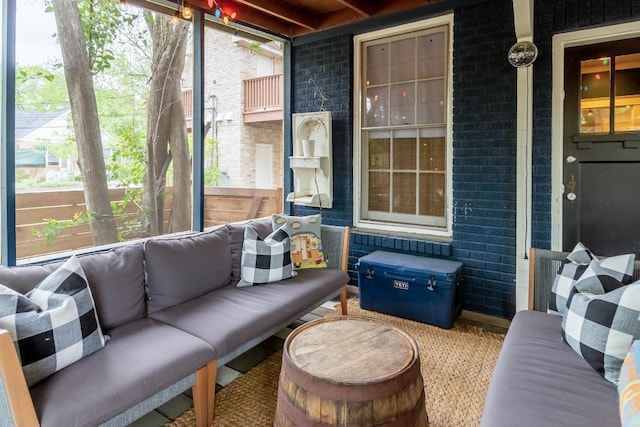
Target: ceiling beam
x=294 y=16
x=362 y=7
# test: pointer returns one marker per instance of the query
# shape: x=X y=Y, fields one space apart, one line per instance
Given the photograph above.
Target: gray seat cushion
x=540 y=381
x=232 y=316
x=185 y=267
x=142 y=358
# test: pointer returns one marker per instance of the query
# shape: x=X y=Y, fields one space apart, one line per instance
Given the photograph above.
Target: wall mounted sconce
x=522 y=54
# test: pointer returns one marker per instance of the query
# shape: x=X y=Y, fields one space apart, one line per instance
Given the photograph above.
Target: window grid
x=428 y=186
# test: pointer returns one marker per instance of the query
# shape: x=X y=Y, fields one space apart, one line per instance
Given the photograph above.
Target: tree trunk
x=166 y=128
x=84 y=111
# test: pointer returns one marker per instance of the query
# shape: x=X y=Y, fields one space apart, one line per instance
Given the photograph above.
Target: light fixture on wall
x=522 y=54
x=220 y=13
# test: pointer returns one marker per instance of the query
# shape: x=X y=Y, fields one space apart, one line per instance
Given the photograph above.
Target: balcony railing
x=263 y=99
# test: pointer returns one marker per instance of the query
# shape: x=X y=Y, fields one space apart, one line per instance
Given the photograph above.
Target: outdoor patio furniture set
x=170 y=313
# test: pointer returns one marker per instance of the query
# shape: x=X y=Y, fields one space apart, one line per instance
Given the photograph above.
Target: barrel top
x=351 y=349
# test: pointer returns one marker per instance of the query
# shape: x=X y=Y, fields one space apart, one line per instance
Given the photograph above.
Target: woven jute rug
x=456 y=366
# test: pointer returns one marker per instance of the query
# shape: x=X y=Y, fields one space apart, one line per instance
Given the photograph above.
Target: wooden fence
x=39 y=211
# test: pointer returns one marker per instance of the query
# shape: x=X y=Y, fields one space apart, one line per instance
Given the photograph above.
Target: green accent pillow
x=306 y=239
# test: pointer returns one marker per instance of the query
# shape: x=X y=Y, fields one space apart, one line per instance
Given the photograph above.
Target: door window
x=607 y=82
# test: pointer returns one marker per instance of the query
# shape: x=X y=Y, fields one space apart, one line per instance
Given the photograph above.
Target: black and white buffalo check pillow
x=601 y=328
x=54 y=324
x=605 y=275
x=570 y=270
x=265 y=261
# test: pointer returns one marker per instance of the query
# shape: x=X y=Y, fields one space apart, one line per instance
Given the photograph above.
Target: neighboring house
x=36 y=133
x=39 y=140
x=246 y=123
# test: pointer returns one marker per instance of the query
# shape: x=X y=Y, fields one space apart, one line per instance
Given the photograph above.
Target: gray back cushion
x=261 y=226
x=181 y=268
x=115 y=276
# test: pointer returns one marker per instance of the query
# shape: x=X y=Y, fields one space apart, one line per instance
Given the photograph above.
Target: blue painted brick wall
x=484 y=156
x=552 y=17
x=484 y=152
x=329 y=63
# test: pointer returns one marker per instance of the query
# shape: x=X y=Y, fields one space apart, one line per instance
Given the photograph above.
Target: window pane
x=404 y=130
x=377 y=70
x=431 y=101
x=402 y=104
x=594 y=95
x=379 y=154
x=627 y=93
x=431 y=55
x=379 y=185
x=376 y=107
x=403 y=60
x=103 y=192
x=404 y=153
x=432 y=154
x=404 y=193
x=432 y=194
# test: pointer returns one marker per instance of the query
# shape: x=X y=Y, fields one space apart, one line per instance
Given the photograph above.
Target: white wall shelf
x=312 y=172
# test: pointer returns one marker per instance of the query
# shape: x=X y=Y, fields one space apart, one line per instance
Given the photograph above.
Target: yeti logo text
x=400 y=285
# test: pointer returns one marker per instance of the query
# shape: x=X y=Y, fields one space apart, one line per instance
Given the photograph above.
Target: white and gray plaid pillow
x=53 y=325
x=601 y=328
x=570 y=270
x=605 y=275
x=265 y=261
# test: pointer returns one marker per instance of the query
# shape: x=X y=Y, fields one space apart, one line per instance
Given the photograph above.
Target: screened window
x=99 y=180
x=404 y=119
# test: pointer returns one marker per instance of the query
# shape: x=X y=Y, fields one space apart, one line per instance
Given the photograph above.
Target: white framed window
x=402 y=128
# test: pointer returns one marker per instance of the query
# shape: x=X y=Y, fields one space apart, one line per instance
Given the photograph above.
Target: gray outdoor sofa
x=173 y=313
x=538 y=379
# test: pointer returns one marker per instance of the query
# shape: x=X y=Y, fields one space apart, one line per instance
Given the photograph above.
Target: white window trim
x=357 y=130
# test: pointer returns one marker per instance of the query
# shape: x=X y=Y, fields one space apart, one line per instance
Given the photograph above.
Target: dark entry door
x=601 y=203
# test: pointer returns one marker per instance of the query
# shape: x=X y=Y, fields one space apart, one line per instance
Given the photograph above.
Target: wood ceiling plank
x=362 y=7
x=289 y=14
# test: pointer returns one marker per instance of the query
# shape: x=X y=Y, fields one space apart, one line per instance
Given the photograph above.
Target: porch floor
x=229 y=372
x=243 y=363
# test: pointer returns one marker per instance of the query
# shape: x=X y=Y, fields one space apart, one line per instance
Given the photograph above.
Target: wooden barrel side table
x=350 y=371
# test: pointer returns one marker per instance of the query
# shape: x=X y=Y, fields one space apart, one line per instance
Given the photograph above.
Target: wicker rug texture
x=456 y=366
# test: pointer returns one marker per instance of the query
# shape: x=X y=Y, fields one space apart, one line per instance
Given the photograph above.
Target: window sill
x=367 y=240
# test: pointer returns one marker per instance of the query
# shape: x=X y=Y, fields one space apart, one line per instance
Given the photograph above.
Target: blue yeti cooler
x=418 y=288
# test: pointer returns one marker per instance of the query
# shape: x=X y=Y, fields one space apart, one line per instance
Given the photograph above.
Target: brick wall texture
x=484 y=140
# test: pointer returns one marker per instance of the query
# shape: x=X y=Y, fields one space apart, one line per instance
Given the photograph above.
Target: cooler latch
x=431 y=283
x=369 y=272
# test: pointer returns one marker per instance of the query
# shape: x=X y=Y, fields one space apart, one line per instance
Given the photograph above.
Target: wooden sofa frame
x=543 y=266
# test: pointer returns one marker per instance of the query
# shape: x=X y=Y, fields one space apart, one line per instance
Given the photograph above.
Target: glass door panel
x=594 y=96
x=627 y=102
